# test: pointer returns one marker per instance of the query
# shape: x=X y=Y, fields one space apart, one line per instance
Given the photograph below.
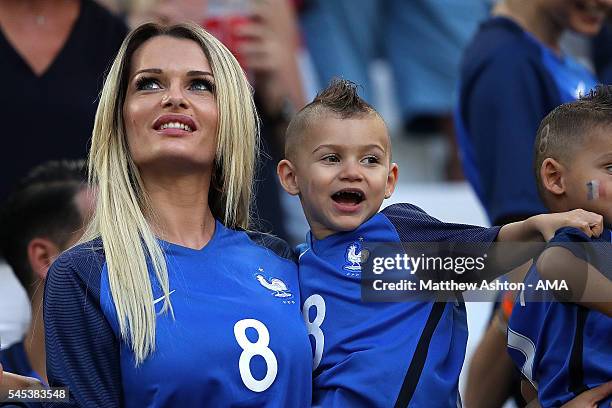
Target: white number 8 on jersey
x=250 y=350
x=314 y=327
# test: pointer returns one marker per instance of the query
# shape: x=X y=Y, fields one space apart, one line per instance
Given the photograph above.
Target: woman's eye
x=370 y=160
x=202 y=85
x=609 y=169
x=332 y=158
x=147 y=84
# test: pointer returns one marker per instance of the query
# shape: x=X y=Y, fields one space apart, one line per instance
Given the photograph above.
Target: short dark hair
x=42 y=205
x=340 y=98
x=567 y=126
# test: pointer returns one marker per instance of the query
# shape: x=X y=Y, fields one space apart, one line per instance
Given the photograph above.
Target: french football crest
x=354 y=256
x=275 y=285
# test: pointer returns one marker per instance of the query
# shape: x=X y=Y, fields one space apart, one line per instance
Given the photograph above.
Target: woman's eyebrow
x=148 y=70
x=200 y=73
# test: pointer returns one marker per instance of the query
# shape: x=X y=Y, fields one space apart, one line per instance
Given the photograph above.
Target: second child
x=338 y=160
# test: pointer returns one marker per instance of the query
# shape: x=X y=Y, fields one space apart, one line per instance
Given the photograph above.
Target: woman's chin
x=175 y=162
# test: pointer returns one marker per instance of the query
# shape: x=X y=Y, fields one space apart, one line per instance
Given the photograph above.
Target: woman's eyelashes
x=147 y=84
x=151 y=84
x=202 y=84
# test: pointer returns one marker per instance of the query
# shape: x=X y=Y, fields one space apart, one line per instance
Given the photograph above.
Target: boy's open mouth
x=348 y=196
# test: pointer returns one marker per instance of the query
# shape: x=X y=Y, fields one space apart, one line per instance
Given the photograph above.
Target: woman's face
x=170 y=112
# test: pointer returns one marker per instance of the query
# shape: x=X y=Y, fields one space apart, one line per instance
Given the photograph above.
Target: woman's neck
x=180 y=209
x=538 y=23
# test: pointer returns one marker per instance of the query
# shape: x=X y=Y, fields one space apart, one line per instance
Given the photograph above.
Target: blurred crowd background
x=406 y=56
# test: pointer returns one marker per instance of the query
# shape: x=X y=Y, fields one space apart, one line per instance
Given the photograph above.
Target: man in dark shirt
x=47 y=111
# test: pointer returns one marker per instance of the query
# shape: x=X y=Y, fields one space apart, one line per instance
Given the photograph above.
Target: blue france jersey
x=563 y=348
x=509 y=82
x=381 y=354
x=237 y=338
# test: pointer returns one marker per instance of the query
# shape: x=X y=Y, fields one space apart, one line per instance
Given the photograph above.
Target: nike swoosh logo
x=156 y=301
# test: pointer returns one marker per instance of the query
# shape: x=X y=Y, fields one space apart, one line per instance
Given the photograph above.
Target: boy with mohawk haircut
x=338 y=160
x=564 y=348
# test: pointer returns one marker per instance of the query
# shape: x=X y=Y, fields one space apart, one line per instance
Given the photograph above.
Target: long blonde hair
x=123 y=211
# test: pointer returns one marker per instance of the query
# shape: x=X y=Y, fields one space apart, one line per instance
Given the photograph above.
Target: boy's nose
x=351 y=171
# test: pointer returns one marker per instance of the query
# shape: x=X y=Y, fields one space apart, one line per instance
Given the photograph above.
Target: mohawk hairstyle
x=339 y=98
x=567 y=127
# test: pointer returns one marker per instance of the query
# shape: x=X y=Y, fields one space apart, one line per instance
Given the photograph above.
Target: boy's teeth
x=175 y=125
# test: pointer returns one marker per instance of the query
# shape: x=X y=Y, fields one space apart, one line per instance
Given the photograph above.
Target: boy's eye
x=370 y=160
x=331 y=158
x=609 y=168
x=147 y=84
x=202 y=85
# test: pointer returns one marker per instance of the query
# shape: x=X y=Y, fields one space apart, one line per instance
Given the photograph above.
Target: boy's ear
x=552 y=176
x=287 y=176
x=391 y=179
x=41 y=254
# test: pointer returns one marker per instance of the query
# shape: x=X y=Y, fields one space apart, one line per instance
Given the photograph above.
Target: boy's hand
x=590 y=398
x=547 y=224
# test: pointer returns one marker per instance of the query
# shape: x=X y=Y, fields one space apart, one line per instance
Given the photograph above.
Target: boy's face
x=342 y=172
x=588 y=177
x=582 y=16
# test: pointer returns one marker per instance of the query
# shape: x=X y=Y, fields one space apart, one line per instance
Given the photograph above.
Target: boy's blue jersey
x=237 y=338
x=381 y=354
x=509 y=82
x=563 y=348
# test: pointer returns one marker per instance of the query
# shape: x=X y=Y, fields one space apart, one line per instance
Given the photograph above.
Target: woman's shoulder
x=83 y=261
x=272 y=243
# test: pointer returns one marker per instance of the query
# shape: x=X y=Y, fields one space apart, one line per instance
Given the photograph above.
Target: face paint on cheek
x=595 y=190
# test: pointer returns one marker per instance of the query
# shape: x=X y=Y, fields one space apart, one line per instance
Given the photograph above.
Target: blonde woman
x=169 y=301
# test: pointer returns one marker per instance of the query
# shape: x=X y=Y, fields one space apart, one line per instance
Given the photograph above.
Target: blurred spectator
x=54 y=54
x=602 y=53
x=42 y=217
x=513 y=74
x=266 y=43
x=421 y=39
x=15 y=311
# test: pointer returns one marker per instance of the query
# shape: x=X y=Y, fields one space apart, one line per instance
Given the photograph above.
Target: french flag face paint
x=595 y=190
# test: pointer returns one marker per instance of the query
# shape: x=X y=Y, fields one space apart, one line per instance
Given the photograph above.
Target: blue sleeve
x=82 y=350
x=415 y=225
x=502 y=111
x=573 y=240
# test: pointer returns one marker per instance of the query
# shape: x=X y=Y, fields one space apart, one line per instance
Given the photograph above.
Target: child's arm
x=587 y=399
x=542 y=227
x=587 y=286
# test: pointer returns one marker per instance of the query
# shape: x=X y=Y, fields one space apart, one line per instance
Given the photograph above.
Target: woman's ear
x=552 y=175
x=287 y=176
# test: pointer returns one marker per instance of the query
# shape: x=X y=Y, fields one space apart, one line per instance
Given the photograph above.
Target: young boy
x=338 y=160
x=564 y=349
